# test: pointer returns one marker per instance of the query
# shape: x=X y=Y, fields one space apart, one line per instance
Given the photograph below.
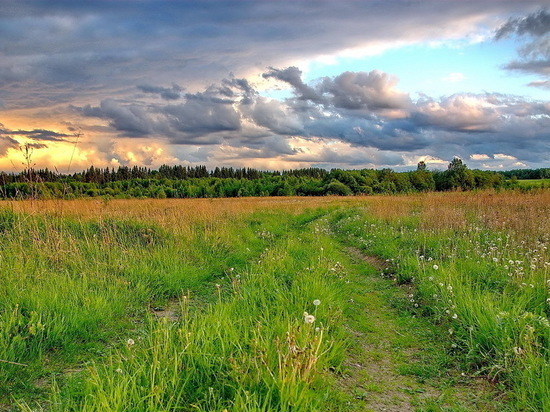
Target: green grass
x=489 y=290
x=408 y=315
x=533 y=183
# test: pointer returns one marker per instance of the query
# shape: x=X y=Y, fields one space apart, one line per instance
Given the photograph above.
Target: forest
x=199 y=182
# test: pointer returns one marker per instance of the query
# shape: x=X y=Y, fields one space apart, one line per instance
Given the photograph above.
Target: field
x=531 y=183
x=432 y=302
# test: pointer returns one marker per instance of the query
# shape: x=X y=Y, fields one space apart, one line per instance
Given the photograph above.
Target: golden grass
x=520 y=212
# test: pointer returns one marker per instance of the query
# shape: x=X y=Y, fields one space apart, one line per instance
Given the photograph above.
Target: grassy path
x=397 y=362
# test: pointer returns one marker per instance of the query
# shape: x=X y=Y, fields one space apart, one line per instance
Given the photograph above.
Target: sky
x=275 y=84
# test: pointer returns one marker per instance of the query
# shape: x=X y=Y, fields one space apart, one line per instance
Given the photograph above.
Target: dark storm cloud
x=535 y=53
x=132 y=120
x=35 y=134
x=43 y=135
x=200 y=114
x=7 y=143
x=173 y=93
x=535 y=24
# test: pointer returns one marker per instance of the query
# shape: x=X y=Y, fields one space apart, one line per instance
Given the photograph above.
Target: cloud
x=200 y=115
x=534 y=55
x=203 y=114
x=132 y=120
x=454 y=77
x=293 y=76
x=35 y=134
x=370 y=91
x=540 y=83
x=364 y=110
x=535 y=24
x=42 y=135
x=477 y=156
x=174 y=93
x=275 y=116
x=105 y=48
x=460 y=112
x=7 y=143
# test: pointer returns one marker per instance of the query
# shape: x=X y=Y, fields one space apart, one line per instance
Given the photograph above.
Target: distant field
x=534 y=182
x=424 y=302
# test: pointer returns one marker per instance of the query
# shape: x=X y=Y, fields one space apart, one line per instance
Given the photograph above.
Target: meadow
x=533 y=183
x=435 y=301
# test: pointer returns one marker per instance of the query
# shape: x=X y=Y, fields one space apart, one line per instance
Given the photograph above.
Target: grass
x=532 y=183
x=201 y=304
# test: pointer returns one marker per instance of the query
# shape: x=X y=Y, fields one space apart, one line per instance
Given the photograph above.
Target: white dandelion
x=309 y=319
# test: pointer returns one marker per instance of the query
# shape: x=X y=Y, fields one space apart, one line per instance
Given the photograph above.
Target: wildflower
x=316 y=302
x=309 y=319
x=451 y=331
x=118 y=370
x=518 y=350
x=454 y=316
x=130 y=342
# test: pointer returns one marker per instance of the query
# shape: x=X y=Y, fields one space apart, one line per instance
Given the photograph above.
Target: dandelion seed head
x=130 y=342
x=316 y=302
x=309 y=319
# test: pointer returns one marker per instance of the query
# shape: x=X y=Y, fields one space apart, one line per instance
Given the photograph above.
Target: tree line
x=193 y=182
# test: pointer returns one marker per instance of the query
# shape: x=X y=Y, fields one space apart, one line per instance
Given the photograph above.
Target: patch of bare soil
x=170 y=311
x=375 y=261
